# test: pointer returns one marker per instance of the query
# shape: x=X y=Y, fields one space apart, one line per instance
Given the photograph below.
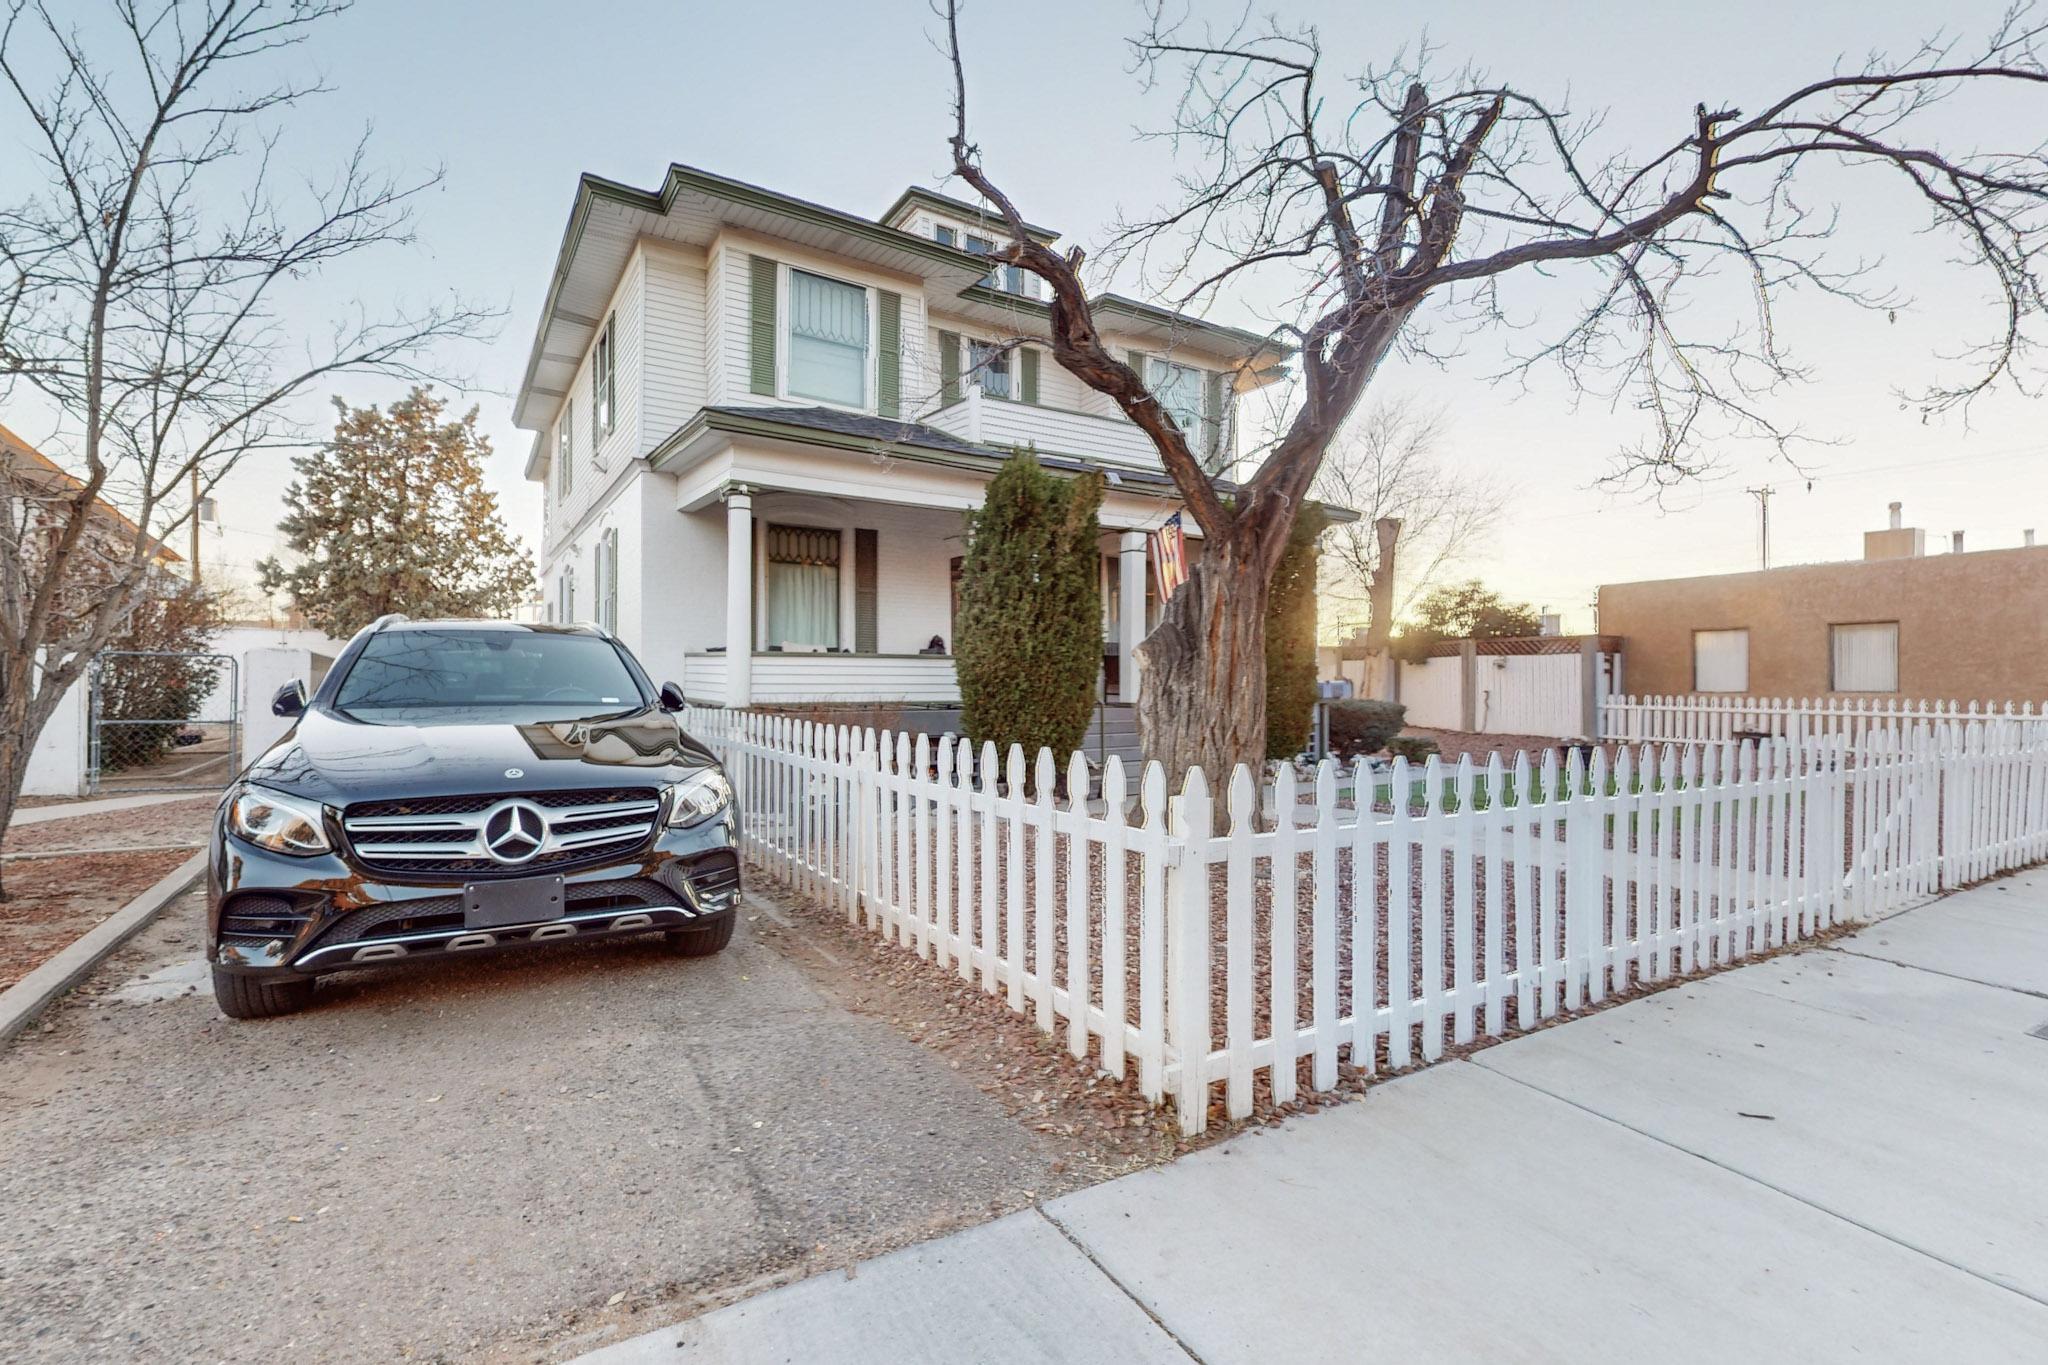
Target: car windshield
x=486 y=669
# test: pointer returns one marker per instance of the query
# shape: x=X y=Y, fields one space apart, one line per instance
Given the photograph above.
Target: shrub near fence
x=1319 y=930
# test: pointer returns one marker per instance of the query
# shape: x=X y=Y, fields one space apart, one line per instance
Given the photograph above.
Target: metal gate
x=164 y=721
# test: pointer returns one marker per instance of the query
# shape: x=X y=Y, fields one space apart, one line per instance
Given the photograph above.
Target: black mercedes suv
x=466 y=786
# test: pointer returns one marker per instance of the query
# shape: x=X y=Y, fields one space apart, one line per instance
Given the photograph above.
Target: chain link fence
x=164 y=721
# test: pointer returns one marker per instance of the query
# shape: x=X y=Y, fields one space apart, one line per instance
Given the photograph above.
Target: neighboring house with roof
x=35 y=490
x=36 y=487
x=759 y=421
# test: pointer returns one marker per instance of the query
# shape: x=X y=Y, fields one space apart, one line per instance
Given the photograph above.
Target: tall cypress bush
x=1291 y=638
x=1028 y=640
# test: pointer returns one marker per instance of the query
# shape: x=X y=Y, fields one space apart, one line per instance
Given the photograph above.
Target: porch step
x=1114 y=731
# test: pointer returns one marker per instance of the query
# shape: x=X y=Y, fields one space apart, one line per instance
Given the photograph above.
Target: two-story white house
x=759 y=421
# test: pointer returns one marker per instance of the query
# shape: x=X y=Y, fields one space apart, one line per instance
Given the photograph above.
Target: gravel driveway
x=473 y=1160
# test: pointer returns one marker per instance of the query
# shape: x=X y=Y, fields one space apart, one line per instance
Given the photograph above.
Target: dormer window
x=1008 y=278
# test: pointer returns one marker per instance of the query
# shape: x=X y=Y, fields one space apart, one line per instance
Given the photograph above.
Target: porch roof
x=835 y=428
x=903 y=440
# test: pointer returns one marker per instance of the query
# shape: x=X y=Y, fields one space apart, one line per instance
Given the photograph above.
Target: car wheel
x=251 y=997
x=702 y=940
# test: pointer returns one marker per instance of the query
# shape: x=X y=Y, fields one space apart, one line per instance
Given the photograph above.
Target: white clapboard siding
x=1218 y=942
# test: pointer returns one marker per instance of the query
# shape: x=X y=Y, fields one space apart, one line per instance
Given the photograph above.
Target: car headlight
x=697 y=799
x=282 y=824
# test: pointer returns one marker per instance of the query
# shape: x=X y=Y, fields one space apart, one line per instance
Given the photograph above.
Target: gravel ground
x=514 y=1158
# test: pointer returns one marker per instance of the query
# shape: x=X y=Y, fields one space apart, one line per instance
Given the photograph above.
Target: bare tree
x=145 y=295
x=1386 y=468
x=1392 y=203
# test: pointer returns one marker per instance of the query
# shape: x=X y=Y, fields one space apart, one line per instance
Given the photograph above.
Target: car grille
x=444 y=834
x=433 y=913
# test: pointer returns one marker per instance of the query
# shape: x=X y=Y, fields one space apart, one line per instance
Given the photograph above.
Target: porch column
x=739 y=595
x=1130 y=612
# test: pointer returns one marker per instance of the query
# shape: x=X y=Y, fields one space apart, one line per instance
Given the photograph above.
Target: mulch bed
x=56 y=895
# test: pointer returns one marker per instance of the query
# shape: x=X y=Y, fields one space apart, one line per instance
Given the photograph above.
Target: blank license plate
x=491 y=905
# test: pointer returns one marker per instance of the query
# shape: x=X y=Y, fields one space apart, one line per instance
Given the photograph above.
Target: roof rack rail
x=388 y=618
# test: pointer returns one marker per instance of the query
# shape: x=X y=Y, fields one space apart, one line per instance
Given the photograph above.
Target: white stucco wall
x=56 y=765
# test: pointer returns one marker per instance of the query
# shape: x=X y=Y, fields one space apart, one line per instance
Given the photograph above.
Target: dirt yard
x=508 y=1159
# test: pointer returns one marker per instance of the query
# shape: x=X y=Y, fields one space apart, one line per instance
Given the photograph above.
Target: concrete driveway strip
x=1457 y=1215
x=1909 y=1103
x=1012 y=1290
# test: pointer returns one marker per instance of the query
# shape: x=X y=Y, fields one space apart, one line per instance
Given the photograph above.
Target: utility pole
x=1763 y=514
x=195 y=523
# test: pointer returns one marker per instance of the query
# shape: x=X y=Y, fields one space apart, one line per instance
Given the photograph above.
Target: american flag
x=1170 y=556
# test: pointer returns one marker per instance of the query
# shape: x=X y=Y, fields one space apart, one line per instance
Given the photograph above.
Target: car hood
x=338 y=757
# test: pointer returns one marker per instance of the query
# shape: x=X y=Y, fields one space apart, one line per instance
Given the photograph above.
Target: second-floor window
x=1179 y=390
x=828 y=340
x=604 y=386
x=989 y=364
x=565 y=451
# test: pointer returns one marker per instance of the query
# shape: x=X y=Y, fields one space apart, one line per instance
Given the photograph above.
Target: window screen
x=1865 y=656
x=1720 y=661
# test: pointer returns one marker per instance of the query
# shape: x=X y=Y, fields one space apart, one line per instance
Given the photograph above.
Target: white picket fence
x=1710 y=717
x=1271 y=947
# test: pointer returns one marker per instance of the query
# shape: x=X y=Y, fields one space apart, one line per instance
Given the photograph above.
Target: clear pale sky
x=845 y=103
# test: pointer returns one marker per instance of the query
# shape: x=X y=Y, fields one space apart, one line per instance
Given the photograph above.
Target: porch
x=837 y=600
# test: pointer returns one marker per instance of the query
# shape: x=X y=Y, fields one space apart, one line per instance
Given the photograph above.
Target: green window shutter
x=889 y=361
x=949 y=368
x=1212 y=413
x=761 y=326
x=1027 y=360
x=865 y=595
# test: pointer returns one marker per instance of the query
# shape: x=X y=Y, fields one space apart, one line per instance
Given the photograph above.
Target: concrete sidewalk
x=1839 y=1155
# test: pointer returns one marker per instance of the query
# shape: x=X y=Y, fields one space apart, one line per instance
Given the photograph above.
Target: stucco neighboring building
x=1964 y=625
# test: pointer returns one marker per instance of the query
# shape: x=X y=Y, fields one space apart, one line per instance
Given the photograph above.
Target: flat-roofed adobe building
x=1963 y=625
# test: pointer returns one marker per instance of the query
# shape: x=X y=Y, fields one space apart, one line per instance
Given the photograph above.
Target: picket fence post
x=1187 y=950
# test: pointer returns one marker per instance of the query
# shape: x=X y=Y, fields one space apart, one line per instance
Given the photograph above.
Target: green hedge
x=1028 y=639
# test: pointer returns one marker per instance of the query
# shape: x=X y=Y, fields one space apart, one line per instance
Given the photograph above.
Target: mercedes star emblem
x=515 y=772
x=515 y=831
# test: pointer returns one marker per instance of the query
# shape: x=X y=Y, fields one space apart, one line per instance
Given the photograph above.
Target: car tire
x=702 y=940
x=252 y=997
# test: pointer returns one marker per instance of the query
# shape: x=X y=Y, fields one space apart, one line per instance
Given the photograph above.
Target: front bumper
x=271 y=914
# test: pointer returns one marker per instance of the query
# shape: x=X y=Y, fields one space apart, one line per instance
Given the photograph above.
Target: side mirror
x=290 y=699
x=671 y=697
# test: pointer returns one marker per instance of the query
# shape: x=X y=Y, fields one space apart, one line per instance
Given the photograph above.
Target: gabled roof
x=692 y=206
x=957 y=208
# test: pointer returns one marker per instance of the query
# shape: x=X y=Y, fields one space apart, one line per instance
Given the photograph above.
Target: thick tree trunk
x=1203 y=701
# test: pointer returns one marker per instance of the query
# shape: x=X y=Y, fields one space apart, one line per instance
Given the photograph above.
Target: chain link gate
x=164 y=721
